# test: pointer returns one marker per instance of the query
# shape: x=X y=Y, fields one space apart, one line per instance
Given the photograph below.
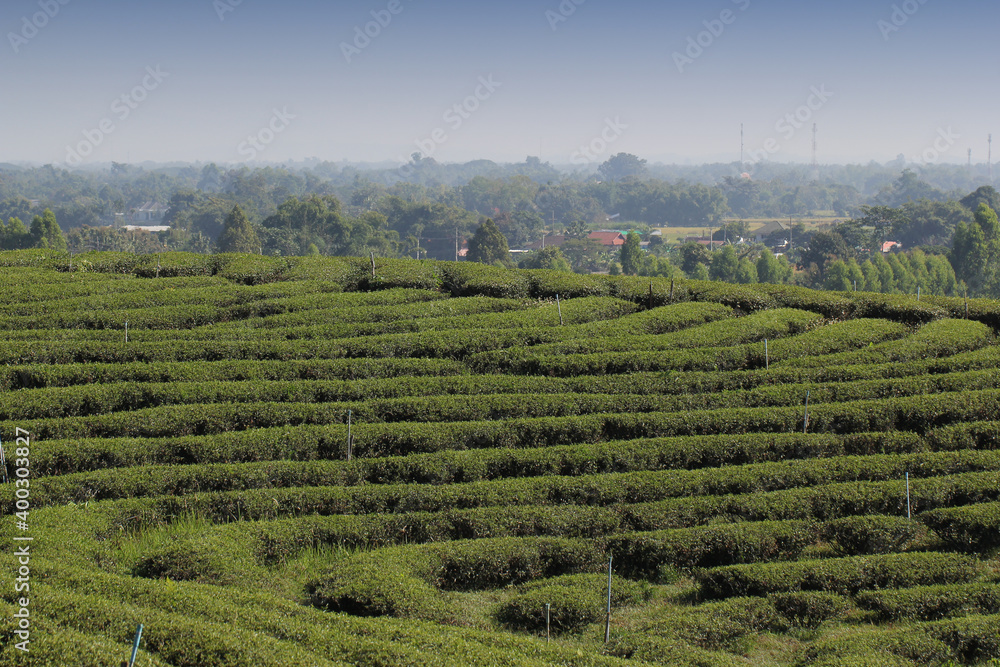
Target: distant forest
x=424 y=209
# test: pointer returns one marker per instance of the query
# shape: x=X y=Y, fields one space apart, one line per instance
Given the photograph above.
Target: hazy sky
x=195 y=80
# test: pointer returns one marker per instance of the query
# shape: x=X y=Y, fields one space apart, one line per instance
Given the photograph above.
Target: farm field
x=672 y=234
x=318 y=461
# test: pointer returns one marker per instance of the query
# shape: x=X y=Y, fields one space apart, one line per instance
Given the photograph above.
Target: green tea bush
x=546 y=284
x=645 y=555
x=873 y=534
x=810 y=609
x=839 y=575
x=251 y=269
x=474 y=279
x=931 y=603
x=974 y=528
x=575 y=601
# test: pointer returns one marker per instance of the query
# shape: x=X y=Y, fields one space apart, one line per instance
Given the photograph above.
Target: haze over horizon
x=241 y=80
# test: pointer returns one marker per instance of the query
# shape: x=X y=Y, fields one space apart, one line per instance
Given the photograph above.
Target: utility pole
x=815 y=165
x=456 y=244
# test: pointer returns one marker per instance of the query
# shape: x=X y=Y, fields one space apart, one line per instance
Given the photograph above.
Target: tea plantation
x=330 y=461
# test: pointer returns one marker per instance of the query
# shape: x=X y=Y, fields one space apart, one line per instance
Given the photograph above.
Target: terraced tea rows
x=302 y=461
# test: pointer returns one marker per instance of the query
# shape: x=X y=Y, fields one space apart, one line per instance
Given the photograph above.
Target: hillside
x=778 y=476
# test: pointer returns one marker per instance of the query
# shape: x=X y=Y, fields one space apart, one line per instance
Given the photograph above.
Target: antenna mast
x=742 y=164
x=989 y=156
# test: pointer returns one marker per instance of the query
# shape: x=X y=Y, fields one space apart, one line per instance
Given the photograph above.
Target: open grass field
x=305 y=461
x=678 y=234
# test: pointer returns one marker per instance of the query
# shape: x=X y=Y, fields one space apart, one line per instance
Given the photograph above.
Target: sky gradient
x=213 y=80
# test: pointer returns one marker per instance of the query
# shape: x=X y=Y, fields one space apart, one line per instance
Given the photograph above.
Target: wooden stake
x=671 y=289
x=548 y=626
x=559 y=306
x=607 y=623
x=373 y=264
x=350 y=438
x=805 y=418
x=908 y=516
x=767 y=357
x=3 y=464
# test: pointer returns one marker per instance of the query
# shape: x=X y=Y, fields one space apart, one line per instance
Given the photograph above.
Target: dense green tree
x=15 y=207
x=694 y=255
x=585 y=255
x=824 y=248
x=15 y=235
x=299 y=223
x=622 y=166
x=238 y=234
x=489 y=246
x=198 y=214
x=908 y=187
x=746 y=271
x=550 y=258
x=700 y=273
x=929 y=223
x=976 y=251
x=771 y=269
x=855 y=275
x=837 y=276
x=578 y=229
x=724 y=264
x=886 y=279
x=45 y=232
x=903 y=277
x=631 y=254
x=872 y=281
x=985 y=194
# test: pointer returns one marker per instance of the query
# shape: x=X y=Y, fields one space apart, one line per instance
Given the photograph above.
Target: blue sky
x=230 y=81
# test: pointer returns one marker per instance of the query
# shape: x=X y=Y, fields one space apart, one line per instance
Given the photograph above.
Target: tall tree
x=694 y=255
x=985 y=194
x=724 y=265
x=237 y=233
x=837 y=276
x=631 y=254
x=746 y=271
x=489 y=246
x=621 y=166
x=45 y=232
x=550 y=258
x=770 y=269
x=15 y=235
x=976 y=251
